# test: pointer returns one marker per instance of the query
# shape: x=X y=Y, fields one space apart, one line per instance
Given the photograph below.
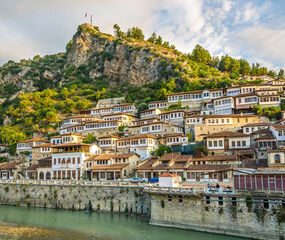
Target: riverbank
x=11 y=231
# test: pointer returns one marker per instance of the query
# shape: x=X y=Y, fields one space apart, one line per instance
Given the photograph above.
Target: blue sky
x=254 y=30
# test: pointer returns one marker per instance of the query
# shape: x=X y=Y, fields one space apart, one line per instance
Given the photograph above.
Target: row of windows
x=269 y=99
x=220 y=102
x=194 y=120
x=220 y=143
x=171 y=116
x=66 y=160
x=158 y=105
x=106 y=142
x=134 y=142
x=101 y=125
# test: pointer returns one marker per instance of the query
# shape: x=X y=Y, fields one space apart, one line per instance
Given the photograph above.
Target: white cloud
x=263 y=43
x=33 y=27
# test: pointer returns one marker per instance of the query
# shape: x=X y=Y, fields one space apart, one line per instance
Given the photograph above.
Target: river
x=99 y=225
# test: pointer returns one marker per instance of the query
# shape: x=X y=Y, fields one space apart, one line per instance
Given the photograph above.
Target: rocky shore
x=11 y=231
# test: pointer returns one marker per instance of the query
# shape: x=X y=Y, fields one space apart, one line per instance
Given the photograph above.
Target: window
x=220 y=201
x=220 y=143
x=277 y=158
x=233 y=143
x=238 y=143
x=210 y=143
x=208 y=201
x=215 y=143
x=243 y=143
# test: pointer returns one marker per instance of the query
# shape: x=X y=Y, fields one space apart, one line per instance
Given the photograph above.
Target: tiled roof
x=227 y=134
x=109 y=167
x=108 y=136
x=117 y=114
x=278 y=126
x=256 y=124
x=108 y=156
x=168 y=175
x=67 y=134
x=215 y=158
x=174 y=135
x=10 y=165
x=210 y=167
x=42 y=145
x=34 y=140
x=138 y=136
x=169 y=156
x=230 y=116
x=80 y=116
x=70 y=144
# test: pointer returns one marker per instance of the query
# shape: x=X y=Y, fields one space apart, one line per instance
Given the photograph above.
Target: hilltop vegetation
x=36 y=93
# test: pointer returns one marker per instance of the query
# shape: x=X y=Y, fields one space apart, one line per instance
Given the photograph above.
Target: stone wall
x=77 y=197
x=245 y=219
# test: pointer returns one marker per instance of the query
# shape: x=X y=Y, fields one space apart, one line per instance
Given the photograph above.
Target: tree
x=161 y=150
x=68 y=46
x=11 y=135
x=118 y=32
x=159 y=41
x=225 y=63
x=281 y=73
x=135 y=33
x=90 y=139
x=244 y=67
x=272 y=73
x=152 y=38
x=51 y=117
x=201 y=55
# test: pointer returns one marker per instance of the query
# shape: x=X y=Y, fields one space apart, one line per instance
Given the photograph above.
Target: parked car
x=153 y=180
x=136 y=179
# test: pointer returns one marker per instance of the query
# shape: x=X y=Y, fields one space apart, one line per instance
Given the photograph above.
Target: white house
x=169 y=180
x=142 y=144
x=224 y=105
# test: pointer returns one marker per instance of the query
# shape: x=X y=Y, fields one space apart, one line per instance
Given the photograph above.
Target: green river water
x=100 y=225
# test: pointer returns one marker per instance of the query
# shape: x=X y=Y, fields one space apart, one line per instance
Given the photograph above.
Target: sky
x=254 y=30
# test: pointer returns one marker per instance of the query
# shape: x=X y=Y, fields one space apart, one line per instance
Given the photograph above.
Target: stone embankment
x=257 y=215
x=76 y=195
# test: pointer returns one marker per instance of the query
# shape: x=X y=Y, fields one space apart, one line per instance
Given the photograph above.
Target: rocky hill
x=91 y=56
x=35 y=94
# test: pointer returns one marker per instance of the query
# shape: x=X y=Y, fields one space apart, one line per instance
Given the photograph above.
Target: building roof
x=107 y=156
x=256 y=124
x=211 y=167
x=173 y=111
x=67 y=134
x=109 y=167
x=230 y=116
x=79 y=116
x=215 y=158
x=10 y=165
x=168 y=175
x=34 y=140
x=278 y=126
x=108 y=136
x=157 y=101
x=42 y=145
x=138 y=137
x=70 y=144
x=117 y=114
x=226 y=134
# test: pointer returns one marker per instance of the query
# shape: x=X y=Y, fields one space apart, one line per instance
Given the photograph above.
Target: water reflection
x=91 y=225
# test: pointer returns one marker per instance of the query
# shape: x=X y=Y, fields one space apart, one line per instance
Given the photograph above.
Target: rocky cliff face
x=115 y=58
x=101 y=55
